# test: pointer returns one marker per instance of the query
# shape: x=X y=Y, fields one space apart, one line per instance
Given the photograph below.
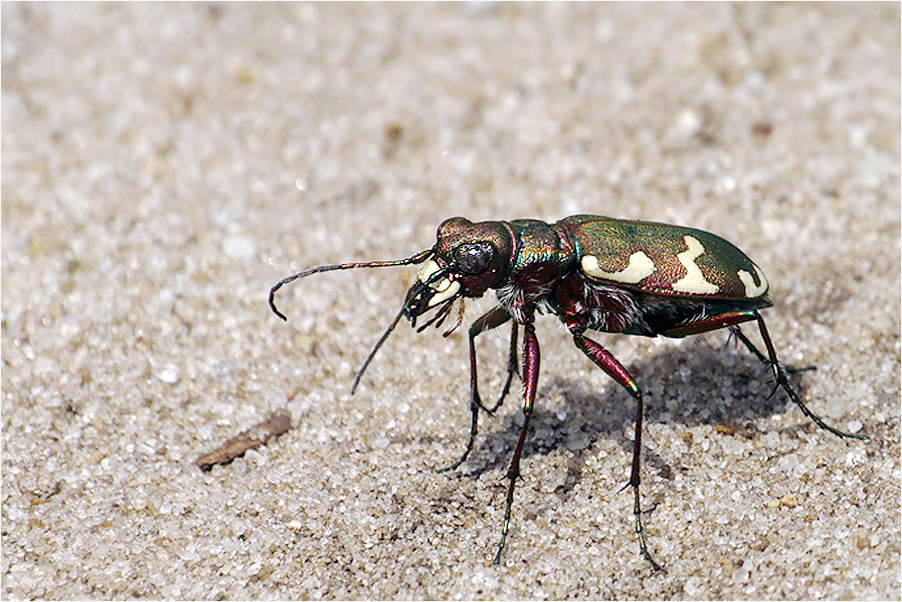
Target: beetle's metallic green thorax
x=542 y=255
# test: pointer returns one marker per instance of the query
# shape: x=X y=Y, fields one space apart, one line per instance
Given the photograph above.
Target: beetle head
x=466 y=261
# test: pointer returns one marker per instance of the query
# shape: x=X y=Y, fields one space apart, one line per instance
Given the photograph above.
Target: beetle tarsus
x=643 y=547
x=474 y=422
x=781 y=380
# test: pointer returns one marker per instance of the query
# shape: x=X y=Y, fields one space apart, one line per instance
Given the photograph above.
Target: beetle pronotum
x=593 y=273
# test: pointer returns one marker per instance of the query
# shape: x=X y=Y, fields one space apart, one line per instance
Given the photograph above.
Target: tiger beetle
x=593 y=273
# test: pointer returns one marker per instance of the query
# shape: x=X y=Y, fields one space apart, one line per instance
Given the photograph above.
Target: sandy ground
x=163 y=165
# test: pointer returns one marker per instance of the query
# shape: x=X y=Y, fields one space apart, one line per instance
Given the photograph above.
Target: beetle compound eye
x=474 y=257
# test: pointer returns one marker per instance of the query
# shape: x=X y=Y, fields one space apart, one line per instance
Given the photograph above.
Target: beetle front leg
x=492 y=319
x=530 y=385
x=607 y=362
x=780 y=378
x=512 y=369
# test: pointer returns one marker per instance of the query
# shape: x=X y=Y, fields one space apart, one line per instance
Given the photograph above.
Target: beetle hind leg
x=780 y=379
x=737 y=333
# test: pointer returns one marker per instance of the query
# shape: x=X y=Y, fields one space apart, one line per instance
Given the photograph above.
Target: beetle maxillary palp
x=439 y=317
x=460 y=318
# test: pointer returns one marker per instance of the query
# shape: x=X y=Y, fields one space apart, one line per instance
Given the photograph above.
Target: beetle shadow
x=698 y=382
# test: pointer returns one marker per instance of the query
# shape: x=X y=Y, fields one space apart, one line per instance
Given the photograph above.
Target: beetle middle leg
x=492 y=319
x=602 y=358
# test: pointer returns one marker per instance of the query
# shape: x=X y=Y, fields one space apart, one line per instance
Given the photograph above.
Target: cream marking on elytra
x=694 y=281
x=444 y=288
x=640 y=266
x=752 y=291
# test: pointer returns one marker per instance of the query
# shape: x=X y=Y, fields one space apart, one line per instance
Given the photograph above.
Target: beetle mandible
x=593 y=273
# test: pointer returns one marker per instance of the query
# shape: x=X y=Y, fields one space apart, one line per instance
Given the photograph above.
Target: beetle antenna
x=459 y=321
x=372 y=354
x=418 y=258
